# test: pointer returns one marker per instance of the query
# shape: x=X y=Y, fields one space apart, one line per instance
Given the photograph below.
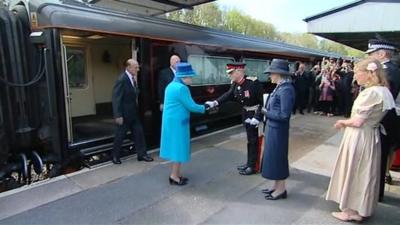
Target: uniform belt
x=251 y=108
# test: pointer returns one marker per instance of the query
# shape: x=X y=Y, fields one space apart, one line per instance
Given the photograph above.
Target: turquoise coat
x=175 y=129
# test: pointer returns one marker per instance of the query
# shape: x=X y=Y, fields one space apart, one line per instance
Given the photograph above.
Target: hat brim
x=230 y=71
x=371 y=50
x=186 y=74
x=282 y=72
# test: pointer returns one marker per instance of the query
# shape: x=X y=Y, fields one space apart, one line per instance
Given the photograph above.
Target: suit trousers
x=136 y=135
x=252 y=145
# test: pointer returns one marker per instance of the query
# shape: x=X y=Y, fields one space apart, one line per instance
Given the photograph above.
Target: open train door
x=67 y=94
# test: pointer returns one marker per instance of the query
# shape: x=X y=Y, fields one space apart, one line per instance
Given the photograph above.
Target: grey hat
x=279 y=66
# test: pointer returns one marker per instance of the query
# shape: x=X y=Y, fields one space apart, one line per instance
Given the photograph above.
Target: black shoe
x=247 y=171
x=267 y=191
x=181 y=182
x=242 y=167
x=283 y=195
x=185 y=179
x=388 y=179
x=116 y=160
x=301 y=112
x=145 y=158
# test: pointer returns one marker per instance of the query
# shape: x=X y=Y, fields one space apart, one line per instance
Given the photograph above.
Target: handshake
x=211 y=107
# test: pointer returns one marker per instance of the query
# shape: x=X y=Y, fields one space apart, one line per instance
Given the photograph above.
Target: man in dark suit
x=165 y=77
x=302 y=83
x=125 y=108
x=383 y=51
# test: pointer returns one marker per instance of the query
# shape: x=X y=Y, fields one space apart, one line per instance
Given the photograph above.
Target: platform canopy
x=354 y=24
x=146 y=7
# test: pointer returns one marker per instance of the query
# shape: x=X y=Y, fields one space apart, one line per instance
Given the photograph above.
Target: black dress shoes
x=247 y=171
x=116 y=160
x=283 y=195
x=267 y=191
x=181 y=182
x=242 y=167
x=145 y=158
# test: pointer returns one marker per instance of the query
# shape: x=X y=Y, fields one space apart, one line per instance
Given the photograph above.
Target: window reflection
x=76 y=63
x=210 y=69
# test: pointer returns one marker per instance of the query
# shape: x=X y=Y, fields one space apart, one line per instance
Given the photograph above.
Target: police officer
x=248 y=92
x=383 y=50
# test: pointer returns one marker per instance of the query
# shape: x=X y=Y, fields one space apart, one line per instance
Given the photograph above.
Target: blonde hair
x=376 y=75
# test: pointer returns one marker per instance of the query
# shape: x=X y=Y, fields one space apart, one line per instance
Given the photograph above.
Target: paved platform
x=139 y=193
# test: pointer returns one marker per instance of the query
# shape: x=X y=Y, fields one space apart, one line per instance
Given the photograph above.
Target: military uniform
x=249 y=93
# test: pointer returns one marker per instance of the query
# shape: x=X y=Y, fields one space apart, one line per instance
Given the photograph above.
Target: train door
x=78 y=83
x=91 y=64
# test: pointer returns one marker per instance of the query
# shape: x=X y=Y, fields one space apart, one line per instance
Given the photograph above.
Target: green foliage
x=234 y=20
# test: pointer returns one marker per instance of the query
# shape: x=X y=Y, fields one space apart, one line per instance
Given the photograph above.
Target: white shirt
x=173 y=70
x=130 y=78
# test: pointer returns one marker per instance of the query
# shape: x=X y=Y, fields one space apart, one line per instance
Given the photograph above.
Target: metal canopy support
x=354 y=24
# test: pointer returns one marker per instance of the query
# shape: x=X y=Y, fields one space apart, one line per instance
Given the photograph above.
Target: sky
x=285 y=15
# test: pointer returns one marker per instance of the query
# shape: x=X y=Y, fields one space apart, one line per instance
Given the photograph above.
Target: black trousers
x=385 y=148
x=252 y=145
x=348 y=104
x=136 y=135
x=389 y=142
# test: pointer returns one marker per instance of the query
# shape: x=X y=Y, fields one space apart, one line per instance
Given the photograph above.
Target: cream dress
x=355 y=178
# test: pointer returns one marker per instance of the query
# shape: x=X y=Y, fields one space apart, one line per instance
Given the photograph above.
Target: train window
x=292 y=67
x=209 y=69
x=256 y=68
x=76 y=61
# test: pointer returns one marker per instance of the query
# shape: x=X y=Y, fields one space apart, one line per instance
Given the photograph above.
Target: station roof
x=146 y=7
x=354 y=24
x=85 y=18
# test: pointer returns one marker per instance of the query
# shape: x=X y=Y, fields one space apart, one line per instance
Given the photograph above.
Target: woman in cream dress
x=355 y=179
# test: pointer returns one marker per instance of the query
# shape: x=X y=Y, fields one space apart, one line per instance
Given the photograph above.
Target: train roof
x=91 y=18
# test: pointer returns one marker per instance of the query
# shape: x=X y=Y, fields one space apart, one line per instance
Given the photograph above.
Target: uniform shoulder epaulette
x=252 y=78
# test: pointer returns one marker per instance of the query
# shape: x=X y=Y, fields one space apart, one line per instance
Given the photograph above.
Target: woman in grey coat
x=277 y=112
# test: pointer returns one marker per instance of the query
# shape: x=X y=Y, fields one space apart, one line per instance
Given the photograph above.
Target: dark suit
x=390 y=122
x=302 y=82
x=164 y=78
x=125 y=105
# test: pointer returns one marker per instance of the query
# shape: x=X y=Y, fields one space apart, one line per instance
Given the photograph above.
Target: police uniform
x=391 y=120
x=249 y=93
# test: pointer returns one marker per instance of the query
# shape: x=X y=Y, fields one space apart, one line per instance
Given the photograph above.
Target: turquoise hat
x=184 y=70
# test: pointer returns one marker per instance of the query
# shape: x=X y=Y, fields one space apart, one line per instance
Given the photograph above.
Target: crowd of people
x=364 y=92
x=327 y=89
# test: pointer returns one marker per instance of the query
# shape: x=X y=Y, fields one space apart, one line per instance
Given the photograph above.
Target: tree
x=300 y=39
x=206 y=15
x=234 y=20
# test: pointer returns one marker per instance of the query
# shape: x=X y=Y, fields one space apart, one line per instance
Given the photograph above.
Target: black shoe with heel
x=267 y=191
x=181 y=182
x=283 y=195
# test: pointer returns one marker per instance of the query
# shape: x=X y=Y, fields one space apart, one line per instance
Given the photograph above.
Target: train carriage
x=61 y=61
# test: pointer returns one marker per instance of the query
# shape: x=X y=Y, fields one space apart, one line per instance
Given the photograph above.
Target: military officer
x=383 y=50
x=248 y=92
